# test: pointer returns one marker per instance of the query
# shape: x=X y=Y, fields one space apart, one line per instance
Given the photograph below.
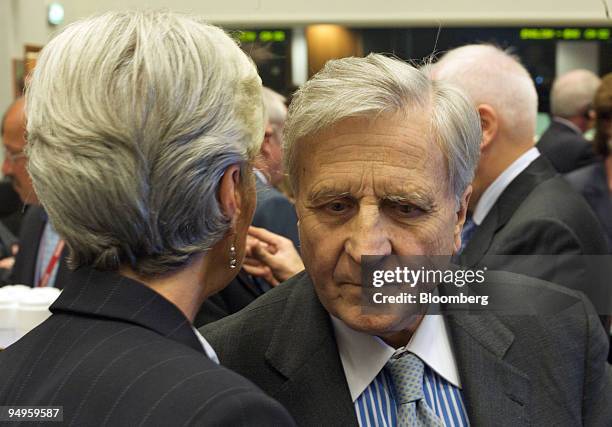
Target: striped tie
x=406 y=370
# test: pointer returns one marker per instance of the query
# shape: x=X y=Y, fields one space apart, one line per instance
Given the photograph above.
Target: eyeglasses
x=13 y=157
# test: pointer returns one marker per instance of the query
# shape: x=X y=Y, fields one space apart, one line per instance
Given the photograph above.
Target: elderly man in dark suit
x=153 y=195
x=35 y=263
x=571 y=98
x=381 y=158
x=520 y=206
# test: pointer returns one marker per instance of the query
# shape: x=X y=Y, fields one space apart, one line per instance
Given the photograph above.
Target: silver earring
x=233 y=260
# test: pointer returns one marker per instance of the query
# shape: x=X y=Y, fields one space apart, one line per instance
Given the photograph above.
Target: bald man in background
x=520 y=207
x=563 y=143
x=41 y=256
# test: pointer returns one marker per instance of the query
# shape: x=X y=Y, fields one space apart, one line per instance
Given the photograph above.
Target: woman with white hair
x=142 y=127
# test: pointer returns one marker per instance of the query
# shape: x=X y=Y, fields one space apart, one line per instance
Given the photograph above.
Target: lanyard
x=51 y=265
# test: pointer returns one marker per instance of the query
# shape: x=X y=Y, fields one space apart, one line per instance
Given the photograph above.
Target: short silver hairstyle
x=379 y=85
x=490 y=75
x=133 y=117
x=572 y=93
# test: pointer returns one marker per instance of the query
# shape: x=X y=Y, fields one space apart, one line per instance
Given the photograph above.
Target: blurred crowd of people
x=208 y=236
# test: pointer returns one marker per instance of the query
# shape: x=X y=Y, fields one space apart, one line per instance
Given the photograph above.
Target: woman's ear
x=489 y=123
x=229 y=195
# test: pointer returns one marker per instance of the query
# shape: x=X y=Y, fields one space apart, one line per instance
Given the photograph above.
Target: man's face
x=274 y=155
x=13 y=139
x=371 y=188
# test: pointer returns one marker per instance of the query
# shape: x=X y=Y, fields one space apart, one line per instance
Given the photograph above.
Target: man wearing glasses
x=41 y=252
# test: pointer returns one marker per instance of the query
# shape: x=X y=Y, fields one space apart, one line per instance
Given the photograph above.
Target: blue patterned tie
x=406 y=370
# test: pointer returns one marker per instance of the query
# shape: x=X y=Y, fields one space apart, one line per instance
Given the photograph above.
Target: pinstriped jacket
x=116 y=353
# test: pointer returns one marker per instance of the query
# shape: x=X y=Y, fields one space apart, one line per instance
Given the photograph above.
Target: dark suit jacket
x=238 y=294
x=24 y=270
x=515 y=370
x=540 y=214
x=116 y=353
x=275 y=213
x=565 y=148
x=12 y=209
x=592 y=182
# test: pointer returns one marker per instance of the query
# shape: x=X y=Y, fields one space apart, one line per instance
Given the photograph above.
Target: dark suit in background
x=238 y=294
x=592 y=182
x=540 y=214
x=116 y=353
x=24 y=270
x=515 y=370
x=565 y=147
x=12 y=209
x=275 y=213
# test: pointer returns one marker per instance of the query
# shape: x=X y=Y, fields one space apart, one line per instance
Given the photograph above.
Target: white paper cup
x=33 y=308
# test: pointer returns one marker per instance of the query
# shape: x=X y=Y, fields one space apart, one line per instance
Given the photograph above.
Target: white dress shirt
x=363 y=356
x=210 y=352
x=492 y=193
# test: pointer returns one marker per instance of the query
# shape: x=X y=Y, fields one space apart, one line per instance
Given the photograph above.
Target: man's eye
x=338 y=206
x=406 y=210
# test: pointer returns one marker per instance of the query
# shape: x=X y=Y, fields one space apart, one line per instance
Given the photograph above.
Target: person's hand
x=8 y=262
x=254 y=266
x=271 y=256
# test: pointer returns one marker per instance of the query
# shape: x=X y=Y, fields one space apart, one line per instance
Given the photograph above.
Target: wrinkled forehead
x=393 y=151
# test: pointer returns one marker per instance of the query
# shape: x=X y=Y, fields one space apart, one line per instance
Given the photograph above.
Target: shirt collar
x=210 y=352
x=261 y=176
x=492 y=193
x=363 y=356
x=568 y=123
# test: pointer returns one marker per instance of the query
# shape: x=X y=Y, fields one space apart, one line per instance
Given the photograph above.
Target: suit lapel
x=35 y=234
x=508 y=202
x=481 y=239
x=494 y=391
x=303 y=349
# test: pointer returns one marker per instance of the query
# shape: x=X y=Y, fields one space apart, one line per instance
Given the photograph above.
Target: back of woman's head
x=132 y=119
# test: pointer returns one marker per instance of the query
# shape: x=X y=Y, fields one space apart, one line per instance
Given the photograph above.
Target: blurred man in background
x=571 y=98
x=274 y=211
x=41 y=256
x=275 y=225
x=520 y=206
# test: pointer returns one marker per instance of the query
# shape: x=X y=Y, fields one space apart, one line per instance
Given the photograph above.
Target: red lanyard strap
x=52 y=263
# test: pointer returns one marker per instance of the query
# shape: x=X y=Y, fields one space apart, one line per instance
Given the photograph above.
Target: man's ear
x=229 y=193
x=265 y=145
x=461 y=216
x=489 y=123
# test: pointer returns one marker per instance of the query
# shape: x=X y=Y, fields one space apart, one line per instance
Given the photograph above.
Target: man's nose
x=369 y=234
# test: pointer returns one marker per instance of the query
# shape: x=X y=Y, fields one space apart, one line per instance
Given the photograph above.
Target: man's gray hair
x=490 y=75
x=133 y=117
x=274 y=103
x=378 y=85
x=572 y=93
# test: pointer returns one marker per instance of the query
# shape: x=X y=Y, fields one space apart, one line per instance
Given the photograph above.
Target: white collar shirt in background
x=492 y=193
x=210 y=352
